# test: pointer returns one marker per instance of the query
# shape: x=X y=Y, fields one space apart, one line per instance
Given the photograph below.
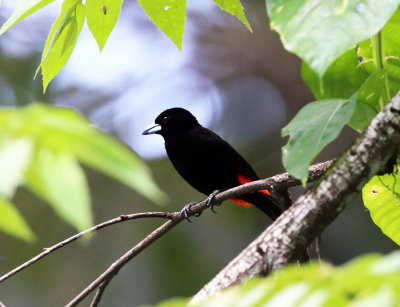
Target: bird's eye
x=165 y=119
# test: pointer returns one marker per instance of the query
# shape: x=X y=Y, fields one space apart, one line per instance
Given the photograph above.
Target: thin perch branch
x=282 y=180
x=121 y=218
x=117 y=265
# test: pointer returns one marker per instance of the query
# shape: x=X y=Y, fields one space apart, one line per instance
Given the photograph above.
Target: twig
x=121 y=218
x=282 y=180
x=99 y=293
x=286 y=238
x=277 y=182
x=117 y=265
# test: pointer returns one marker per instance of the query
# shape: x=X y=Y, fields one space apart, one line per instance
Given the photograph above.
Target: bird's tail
x=266 y=203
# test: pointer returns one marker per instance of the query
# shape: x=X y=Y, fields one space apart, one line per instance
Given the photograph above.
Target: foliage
x=101 y=16
x=45 y=159
x=13 y=223
x=351 y=63
x=320 y=122
x=364 y=73
x=316 y=125
x=306 y=26
x=352 y=84
x=381 y=196
x=61 y=39
x=169 y=16
x=370 y=280
x=332 y=68
x=364 y=76
x=40 y=147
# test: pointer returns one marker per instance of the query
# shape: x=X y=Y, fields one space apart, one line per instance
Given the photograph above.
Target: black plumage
x=206 y=161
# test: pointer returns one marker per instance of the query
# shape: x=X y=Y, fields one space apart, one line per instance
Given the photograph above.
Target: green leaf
x=101 y=18
x=320 y=31
x=235 y=8
x=342 y=79
x=366 y=101
x=24 y=9
x=346 y=75
x=15 y=155
x=111 y=157
x=357 y=64
x=168 y=15
x=383 y=297
x=361 y=282
x=61 y=39
x=174 y=302
x=391 y=50
x=58 y=178
x=64 y=130
x=40 y=146
x=346 y=78
x=362 y=116
x=98 y=150
x=381 y=197
x=370 y=92
x=368 y=97
x=390 y=264
x=314 y=126
x=13 y=223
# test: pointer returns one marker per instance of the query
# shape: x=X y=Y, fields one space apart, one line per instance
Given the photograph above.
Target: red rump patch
x=241 y=202
x=242 y=180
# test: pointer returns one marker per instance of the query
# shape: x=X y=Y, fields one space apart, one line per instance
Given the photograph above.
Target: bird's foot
x=185 y=212
x=210 y=200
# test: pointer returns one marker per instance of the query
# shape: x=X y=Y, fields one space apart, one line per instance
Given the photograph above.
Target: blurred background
x=242 y=85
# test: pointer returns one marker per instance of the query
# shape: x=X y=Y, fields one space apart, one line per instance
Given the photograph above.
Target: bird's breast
x=193 y=164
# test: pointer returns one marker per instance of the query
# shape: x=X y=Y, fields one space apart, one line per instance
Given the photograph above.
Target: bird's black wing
x=206 y=161
x=209 y=163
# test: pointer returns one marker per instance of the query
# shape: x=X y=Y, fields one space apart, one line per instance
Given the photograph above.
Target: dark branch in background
x=279 y=181
x=285 y=240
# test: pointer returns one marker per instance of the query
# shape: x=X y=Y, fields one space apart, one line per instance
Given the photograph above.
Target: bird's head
x=171 y=121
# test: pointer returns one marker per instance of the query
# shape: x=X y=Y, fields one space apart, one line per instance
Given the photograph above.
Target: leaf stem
x=379 y=54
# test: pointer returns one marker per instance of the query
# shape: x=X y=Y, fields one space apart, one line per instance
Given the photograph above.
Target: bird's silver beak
x=151 y=129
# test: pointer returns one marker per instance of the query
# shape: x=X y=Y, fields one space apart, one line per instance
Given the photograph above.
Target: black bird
x=206 y=161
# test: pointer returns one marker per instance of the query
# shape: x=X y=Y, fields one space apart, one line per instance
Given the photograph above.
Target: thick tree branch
x=279 y=181
x=291 y=233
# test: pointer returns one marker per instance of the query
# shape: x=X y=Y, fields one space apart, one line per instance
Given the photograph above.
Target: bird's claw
x=210 y=200
x=185 y=212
